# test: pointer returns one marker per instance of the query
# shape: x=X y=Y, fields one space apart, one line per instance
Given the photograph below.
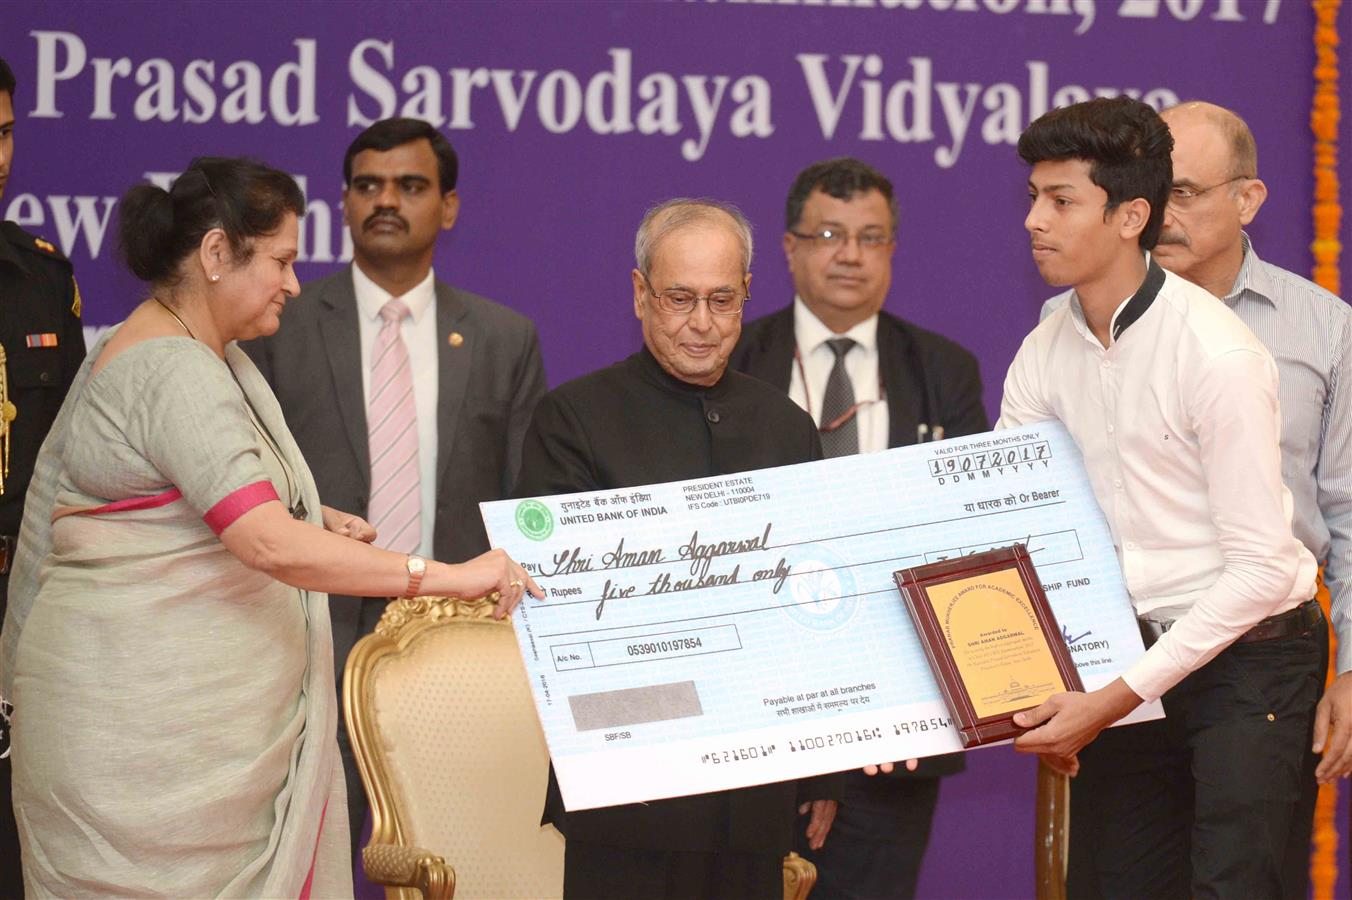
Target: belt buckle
x=1151 y=630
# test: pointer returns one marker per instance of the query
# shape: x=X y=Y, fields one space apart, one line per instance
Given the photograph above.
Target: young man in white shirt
x=1173 y=402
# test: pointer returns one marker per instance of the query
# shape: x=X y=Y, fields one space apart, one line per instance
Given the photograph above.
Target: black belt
x=1301 y=620
x=8 y=544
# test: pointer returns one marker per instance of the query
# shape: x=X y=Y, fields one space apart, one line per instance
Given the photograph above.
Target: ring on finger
x=517 y=582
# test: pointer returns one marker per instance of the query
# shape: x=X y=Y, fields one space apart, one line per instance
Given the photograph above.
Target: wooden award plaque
x=990 y=637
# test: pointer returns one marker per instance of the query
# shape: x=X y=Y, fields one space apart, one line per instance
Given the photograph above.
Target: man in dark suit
x=415 y=444
x=871 y=381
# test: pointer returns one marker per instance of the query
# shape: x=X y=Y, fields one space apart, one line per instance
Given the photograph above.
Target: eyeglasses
x=835 y=238
x=1181 y=195
x=678 y=302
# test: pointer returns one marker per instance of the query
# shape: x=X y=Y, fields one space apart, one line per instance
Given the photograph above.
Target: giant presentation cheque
x=744 y=629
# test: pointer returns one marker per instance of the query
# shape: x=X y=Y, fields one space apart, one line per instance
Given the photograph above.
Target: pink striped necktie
x=392 y=422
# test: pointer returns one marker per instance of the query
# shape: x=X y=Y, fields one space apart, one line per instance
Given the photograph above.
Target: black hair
x=1125 y=143
x=842 y=178
x=390 y=133
x=7 y=82
x=243 y=197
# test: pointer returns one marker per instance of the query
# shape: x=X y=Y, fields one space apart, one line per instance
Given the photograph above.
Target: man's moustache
x=1173 y=237
x=385 y=217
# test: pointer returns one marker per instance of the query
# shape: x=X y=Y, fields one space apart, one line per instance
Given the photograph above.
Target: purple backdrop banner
x=571 y=118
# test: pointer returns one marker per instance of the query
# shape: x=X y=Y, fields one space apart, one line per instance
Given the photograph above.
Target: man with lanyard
x=41 y=347
x=1173 y=402
x=871 y=381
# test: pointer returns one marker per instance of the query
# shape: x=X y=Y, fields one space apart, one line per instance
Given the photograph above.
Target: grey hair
x=672 y=215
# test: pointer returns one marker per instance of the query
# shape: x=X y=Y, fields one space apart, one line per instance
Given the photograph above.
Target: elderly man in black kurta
x=674 y=412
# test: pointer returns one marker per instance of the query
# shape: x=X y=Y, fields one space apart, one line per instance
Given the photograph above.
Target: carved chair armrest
x=799 y=877
x=413 y=867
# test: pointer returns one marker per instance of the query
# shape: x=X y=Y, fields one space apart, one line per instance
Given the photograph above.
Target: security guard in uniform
x=41 y=347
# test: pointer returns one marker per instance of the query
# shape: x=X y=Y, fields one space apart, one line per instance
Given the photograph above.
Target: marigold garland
x=1327 y=213
x=1324 y=116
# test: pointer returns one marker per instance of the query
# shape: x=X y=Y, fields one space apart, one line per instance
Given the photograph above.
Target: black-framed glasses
x=1181 y=195
x=680 y=302
x=835 y=238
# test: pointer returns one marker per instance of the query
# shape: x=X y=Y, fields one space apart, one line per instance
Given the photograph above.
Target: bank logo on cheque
x=534 y=520
x=823 y=593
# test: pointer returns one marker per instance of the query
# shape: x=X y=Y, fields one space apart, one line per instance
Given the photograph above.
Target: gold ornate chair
x=453 y=761
x=451 y=754
x=799 y=877
x=1052 y=827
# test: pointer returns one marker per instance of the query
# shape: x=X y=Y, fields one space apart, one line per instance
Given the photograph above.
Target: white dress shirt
x=1308 y=331
x=816 y=359
x=419 y=332
x=1179 y=426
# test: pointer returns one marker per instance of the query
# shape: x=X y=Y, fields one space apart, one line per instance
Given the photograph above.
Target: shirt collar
x=1140 y=301
x=371 y=296
x=1130 y=310
x=1253 y=278
x=650 y=369
x=811 y=333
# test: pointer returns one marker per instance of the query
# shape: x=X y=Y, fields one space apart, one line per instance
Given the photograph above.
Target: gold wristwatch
x=417 y=568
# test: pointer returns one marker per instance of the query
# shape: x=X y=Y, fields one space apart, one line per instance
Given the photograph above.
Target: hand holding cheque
x=746 y=629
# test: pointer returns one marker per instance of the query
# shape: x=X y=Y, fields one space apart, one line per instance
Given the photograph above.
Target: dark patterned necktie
x=837 y=401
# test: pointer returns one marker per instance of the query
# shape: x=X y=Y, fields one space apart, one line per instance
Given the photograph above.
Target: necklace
x=170 y=311
x=297 y=509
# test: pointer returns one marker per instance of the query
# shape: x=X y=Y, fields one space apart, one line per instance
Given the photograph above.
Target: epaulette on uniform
x=19 y=239
x=22 y=240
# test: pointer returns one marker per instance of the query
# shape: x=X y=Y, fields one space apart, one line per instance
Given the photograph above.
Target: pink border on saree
x=129 y=503
x=314 y=857
x=237 y=503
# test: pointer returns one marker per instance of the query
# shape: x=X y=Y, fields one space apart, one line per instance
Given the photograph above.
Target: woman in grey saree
x=167 y=647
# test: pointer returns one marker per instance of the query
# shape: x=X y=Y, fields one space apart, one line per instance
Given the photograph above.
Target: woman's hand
x=347 y=525
x=495 y=571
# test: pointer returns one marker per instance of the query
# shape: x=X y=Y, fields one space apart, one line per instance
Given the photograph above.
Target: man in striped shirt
x=1216 y=193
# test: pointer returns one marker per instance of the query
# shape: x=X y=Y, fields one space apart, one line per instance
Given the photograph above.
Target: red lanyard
x=840 y=420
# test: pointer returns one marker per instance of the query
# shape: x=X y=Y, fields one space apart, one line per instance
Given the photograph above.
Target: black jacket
x=44 y=345
x=633 y=424
x=926 y=378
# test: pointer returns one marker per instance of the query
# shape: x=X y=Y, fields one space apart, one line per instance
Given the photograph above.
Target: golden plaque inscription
x=990 y=638
x=999 y=649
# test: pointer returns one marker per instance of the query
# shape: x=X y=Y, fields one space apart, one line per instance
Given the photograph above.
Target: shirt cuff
x=1154 y=673
x=237 y=503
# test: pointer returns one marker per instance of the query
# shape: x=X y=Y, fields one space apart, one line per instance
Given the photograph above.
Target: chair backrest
x=451 y=753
